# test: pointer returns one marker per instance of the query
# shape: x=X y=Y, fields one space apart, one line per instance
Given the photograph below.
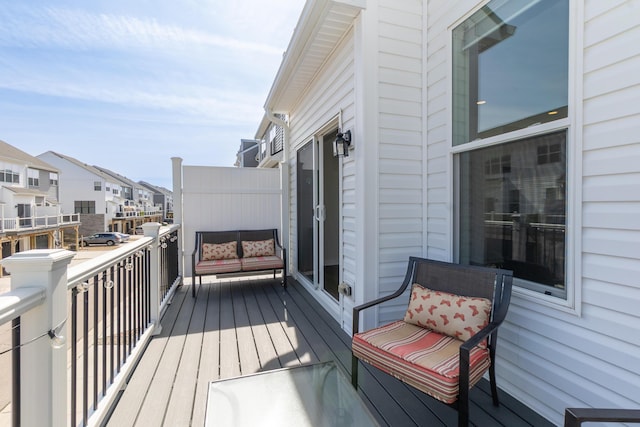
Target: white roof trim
x=321 y=26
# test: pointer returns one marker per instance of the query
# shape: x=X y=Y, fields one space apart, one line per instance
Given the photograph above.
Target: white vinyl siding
x=548 y=358
x=400 y=148
x=391 y=78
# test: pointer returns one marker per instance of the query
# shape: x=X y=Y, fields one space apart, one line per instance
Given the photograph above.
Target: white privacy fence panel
x=225 y=198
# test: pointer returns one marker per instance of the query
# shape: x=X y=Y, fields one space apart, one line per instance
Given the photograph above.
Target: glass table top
x=308 y=395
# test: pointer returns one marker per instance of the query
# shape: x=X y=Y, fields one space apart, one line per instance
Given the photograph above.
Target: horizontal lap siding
x=549 y=359
x=611 y=202
x=438 y=191
x=400 y=150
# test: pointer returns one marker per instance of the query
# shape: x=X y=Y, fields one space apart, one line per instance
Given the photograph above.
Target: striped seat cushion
x=419 y=357
x=218 y=266
x=261 y=263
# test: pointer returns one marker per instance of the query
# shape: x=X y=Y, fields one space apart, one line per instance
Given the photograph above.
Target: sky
x=128 y=84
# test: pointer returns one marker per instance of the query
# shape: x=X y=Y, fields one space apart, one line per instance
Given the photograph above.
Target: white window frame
x=573 y=125
x=33 y=177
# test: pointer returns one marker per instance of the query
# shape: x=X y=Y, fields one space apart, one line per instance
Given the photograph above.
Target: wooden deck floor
x=242 y=326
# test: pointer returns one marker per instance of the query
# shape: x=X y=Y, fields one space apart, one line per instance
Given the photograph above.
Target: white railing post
x=178 y=214
x=152 y=229
x=43 y=366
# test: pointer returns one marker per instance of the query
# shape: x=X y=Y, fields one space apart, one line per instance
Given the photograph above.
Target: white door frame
x=331 y=304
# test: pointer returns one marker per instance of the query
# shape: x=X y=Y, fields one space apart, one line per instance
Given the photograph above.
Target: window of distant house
x=7 y=175
x=33 y=177
x=115 y=191
x=510 y=73
x=97 y=186
x=84 y=206
x=53 y=178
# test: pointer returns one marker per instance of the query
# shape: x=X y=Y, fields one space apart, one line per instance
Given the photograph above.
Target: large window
x=33 y=177
x=510 y=73
x=510 y=68
x=84 y=206
x=7 y=175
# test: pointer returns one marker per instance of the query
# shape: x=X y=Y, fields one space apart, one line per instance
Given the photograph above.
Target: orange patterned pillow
x=254 y=248
x=214 y=251
x=454 y=315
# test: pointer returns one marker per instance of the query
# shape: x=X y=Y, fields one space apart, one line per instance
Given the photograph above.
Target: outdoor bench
x=237 y=251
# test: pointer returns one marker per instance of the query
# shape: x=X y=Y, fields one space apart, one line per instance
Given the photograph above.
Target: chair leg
x=463 y=408
x=354 y=371
x=494 y=387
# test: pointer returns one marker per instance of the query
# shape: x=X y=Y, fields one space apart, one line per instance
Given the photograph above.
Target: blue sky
x=128 y=84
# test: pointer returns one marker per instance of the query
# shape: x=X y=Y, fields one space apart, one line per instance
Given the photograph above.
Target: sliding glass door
x=319 y=213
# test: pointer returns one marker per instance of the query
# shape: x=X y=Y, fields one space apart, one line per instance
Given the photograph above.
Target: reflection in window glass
x=510 y=68
x=513 y=210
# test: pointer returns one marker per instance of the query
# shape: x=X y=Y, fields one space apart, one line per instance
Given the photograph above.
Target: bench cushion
x=424 y=359
x=454 y=315
x=218 y=266
x=213 y=251
x=262 y=263
x=258 y=248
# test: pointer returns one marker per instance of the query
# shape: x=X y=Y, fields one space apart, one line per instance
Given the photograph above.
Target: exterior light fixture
x=341 y=144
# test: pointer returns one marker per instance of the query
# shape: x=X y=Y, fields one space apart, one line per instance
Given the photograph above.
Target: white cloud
x=76 y=29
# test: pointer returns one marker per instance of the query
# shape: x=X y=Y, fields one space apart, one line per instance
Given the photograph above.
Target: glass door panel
x=306 y=212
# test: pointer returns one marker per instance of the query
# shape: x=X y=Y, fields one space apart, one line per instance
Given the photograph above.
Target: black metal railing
x=109 y=314
x=112 y=305
x=169 y=272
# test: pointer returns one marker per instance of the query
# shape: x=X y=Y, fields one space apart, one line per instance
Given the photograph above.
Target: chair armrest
x=359 y=308
x=481 y=335
x=574 y=417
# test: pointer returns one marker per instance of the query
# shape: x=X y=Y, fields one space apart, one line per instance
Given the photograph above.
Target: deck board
x=245 y=325
x=210 y=353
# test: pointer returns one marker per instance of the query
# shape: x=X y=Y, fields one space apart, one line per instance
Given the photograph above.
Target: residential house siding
x=391 y=77
x=549 y=357
x=400 y=148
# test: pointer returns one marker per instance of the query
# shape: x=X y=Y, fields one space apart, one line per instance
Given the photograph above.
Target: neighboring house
x=494 y=133
x=161 y=197
x=30 y=215
x=139 y=204
x=270 y=137
x=88 y=191
x=247 y=156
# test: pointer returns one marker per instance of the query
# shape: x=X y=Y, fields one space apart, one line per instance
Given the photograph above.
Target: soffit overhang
x=321 y=27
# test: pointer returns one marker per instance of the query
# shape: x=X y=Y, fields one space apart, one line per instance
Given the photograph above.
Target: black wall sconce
x=341 y=144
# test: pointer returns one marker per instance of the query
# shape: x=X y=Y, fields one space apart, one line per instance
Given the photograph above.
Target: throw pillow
x=255 y=248
x=454 y=315
x=215 y=251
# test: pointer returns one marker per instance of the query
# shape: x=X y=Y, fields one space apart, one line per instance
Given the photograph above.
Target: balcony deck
x=240 y=326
